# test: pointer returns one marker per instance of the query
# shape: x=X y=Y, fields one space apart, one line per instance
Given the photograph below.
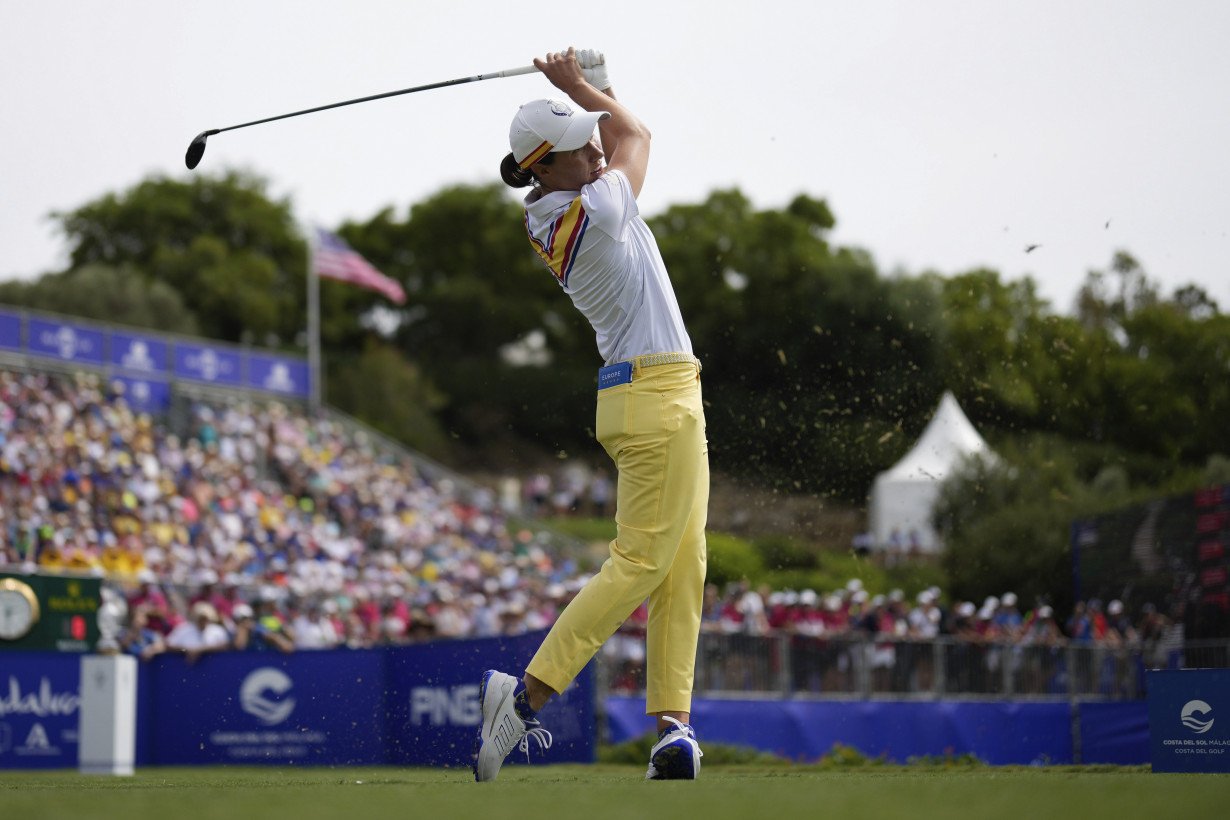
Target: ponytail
x=514 y=175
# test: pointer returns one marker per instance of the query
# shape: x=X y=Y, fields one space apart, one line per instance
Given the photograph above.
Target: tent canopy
x=904 y=495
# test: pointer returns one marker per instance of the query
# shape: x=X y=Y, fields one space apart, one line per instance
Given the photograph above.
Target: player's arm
x=625 y=139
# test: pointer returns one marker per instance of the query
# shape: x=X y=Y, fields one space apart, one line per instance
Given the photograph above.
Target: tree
x=104 y=293
x=381 y=387
x=1152 y=376
x=233 y=255
x=813 y=360
x=475 y=294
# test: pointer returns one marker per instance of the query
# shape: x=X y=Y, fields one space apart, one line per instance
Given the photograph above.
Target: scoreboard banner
x=49 y=612
x=1172 y=552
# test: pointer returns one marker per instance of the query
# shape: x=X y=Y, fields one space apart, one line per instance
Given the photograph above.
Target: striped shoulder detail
x=561 y=244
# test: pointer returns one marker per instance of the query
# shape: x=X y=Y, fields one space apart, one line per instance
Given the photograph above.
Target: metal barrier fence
x=860 y=667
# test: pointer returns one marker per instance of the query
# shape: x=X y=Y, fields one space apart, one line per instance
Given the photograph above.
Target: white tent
x=902 y=496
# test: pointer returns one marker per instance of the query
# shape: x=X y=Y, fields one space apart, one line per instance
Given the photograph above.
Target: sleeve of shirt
x=610 y=204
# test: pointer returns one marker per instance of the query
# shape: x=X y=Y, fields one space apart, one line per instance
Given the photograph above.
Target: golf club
x=196 y=149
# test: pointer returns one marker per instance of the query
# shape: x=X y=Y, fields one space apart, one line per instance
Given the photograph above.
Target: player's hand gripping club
x=590 y=63
x=593 y=66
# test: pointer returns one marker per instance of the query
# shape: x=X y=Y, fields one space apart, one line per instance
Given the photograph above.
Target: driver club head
x=196 y=149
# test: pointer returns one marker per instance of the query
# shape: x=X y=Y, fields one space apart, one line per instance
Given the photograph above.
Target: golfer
x=583 y=221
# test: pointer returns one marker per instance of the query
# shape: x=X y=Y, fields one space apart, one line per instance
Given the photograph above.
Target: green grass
x=608 y=791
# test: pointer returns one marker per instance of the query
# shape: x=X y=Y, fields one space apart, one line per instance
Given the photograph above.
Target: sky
x=945 y=135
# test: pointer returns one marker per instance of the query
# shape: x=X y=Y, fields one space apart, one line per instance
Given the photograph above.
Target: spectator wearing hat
x=1008 y=618
x=312 y=630
x=260 y=630
x=200 y=634
x=1119 y=629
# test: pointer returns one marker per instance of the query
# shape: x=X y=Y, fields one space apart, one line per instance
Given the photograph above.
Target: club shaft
x=510 y=72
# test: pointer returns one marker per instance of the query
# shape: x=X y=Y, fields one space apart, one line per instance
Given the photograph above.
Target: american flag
x=334 y=259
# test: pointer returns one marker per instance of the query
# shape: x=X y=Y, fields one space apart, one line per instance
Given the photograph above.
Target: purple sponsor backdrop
x=39 y=699
x=140 y=354
x=278 y=374
x=1001 y=732
x=208 y=364
x=10 y=331
x=434 y=709
x=64 y=341
x=309 y=708
x=145 y=395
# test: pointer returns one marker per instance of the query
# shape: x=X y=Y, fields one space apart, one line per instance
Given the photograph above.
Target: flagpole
x=315 y=373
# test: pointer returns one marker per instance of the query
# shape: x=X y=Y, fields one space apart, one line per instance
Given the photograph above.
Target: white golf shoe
x=502 y=728
x=676 y=755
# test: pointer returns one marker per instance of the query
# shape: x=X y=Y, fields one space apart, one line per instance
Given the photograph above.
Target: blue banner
x=1189 y=720
x=278 y=374
x=434 y=709
x=38 y=710
x=10 y=331
x=139 y=354
x=145 y=395
x=313 y=708
x=995 y=732
x=208 y=364
x=70 y=343
x=1114 y=732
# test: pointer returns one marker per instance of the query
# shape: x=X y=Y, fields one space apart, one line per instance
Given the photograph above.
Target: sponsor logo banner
x=275 y=374
x=1189 y=720
x=39 y=702
x=316 y=708
x=208 y=364
x=10 y=331
x=70 y=343
x=145 y=395
x=140 y=354
x=435 y=711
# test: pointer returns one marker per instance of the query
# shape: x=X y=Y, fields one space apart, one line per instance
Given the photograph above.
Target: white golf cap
x=543 y=126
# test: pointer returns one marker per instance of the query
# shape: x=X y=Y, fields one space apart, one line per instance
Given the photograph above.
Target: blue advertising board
x=1189 y=720
x=1115 y=732
x=39 y=699
x=208 y=364
x=278 y=374
x=310 y=708
x=139 y=354
x=999 y=733
x=434 y=708
x=65 y=341
x=145 y=395
x=10 y=331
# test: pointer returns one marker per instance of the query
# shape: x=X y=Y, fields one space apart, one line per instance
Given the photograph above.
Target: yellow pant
x=654 y=430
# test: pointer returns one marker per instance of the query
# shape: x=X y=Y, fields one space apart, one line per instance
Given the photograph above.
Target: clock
x=18 y=609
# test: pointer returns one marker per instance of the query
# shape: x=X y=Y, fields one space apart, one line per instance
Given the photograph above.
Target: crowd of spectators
x=278 y=530
x=254 y=527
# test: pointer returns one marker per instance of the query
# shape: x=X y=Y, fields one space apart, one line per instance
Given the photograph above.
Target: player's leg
x=632 y=427
x=675 y=607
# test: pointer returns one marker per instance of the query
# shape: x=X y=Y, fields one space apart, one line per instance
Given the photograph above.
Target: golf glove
x=593 y=66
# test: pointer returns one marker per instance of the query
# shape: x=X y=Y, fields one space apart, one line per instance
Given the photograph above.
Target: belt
x=621 y=372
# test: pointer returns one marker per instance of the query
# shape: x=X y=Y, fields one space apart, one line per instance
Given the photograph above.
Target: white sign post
x=108 y=714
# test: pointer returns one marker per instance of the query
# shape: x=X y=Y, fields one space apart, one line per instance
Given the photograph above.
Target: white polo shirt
x=606 y=259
